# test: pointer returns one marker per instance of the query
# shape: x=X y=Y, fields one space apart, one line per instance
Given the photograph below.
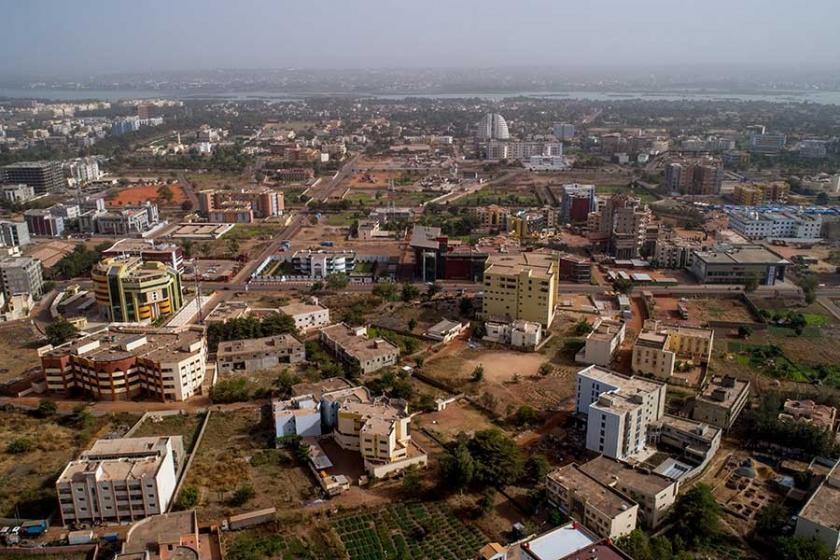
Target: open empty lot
x=138 y=195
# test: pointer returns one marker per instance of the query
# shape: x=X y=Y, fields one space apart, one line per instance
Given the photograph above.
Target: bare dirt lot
x=138 y=195
x=702 y=310
x=18 y=340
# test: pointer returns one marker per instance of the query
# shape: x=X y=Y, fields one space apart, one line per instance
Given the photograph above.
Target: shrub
x=188 y=498
x=242 y=495
x=230 y=391
x=19 y=446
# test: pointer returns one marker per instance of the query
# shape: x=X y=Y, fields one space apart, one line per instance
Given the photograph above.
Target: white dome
x=493 y=127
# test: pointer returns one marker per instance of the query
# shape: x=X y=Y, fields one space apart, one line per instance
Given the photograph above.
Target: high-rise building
x=695 y=178
x=492 y=127
x=14 y=234
x=620 y=226
x=767 y=142
x=43 y=176
x=19 y=275
x=564 y=131
x=520 y=286
x=576 y=202
x=130 y=290
x=84 y=170
x=43 y=223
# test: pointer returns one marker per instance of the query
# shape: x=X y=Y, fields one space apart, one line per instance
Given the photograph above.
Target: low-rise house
x=445 y=330
x=298 y=416
x=601 y=509
x=120 y=480
x=518 y=334
x=568 y=542
x=696 y=441
x=721 y=401
x=352 y=345
x=259 y=353
x=307 y=316
x=808 y=412
x=820 y=516
x=602 y=342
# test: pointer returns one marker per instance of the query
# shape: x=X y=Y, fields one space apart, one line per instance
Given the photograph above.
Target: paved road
x=329 y=185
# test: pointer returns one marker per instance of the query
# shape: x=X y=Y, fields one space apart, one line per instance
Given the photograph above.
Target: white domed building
x=492 y=127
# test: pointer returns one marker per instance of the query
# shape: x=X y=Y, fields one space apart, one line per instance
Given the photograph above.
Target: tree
x=458 y=467
x=498 y=460
x=822 y=199
x=46 y=408
x=165 y=193
x=317 y=287
x=467 y=307
x=770 y=520
x=411 y=483
x=230 y=391
x=409 y=292
x=242 y=495
x=188 y=498
x=488 y=496
x=536 y=467
x=432 y=290
x=60 y=331
x=478 y=373
x=19 y=446
x=232 y=245
x=809 y=288
x=546 y=369
x=697 y=516
x=801 y=548
x=745 y=331
x=337 y=280
x=284 y=383
x=386 y=290
x=412 y=324
x=751 y=284
x=622 y=285
x=526 y=415
x=583 y=327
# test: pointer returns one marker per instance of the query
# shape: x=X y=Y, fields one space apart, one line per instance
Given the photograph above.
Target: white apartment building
x=819 y=517
x=776 y=225
x=298 y=416
x=618 y=410
x=307 y=317
x=120 y=480
x=602 y=342
x=518 y=334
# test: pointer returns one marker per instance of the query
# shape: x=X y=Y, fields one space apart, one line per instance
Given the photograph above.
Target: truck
x=80 y=537
x=34 y=528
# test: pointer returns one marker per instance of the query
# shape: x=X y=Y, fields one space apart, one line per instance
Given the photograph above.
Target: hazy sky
x=98 y=36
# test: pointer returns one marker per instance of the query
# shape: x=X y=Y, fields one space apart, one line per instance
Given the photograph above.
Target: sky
x=72 y=37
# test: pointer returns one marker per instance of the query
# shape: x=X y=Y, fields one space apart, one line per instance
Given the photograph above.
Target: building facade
x=520 y=287
x=254 y=354
x=131 y=290
x=353 y=346
x=19 y=275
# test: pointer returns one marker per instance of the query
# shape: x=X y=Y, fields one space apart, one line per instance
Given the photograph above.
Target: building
x=257 y=203
x=254 y=354
x=124 y=125
x=525 y=335
x=330 y=394
x=672 y=252
x=738 y=265
x=307 y=316
x=21 y=275
x=660 y=349
x=492 y=127
x=618 y=410
x=445 y=330
x=758 y=194
x=654 y=493
x=695 y=441
x=768 y=143
x=522 y=286
x=567 y=542
x=43 y=176
x=14 y=234
x=601 y=509
x=128 y=220
x=808 y=412
x=574 y=269
x=352 y=346
x=120 y=480
x=131 y=290
x=126 y=363
x=564 y=131
x=169 y=254
x=734 y=159
x=298 y=416
x=820 y=516
x=492 y=216
x=721 y=401
x=379 y=432
x=577 y=201
x=776 y=225
x=85 y=170
x=694 y=178
x=320 y=264
x=294 y=174
x=811 y=148
x=602 y=342
x=17 y=194
x=620 y=227
x=42 y=223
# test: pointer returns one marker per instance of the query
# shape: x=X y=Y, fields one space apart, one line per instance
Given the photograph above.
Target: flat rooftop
x=727 y=390
x=742 y=254
x=266 y=344
x=319 y=388
x=603 y=498
x=606 y=330
x=300 y=308
x=160 y=345
x=358 y=346
x=628 y=384
x=540 y=265
x=608 y=471
x=560 y=542
x=824 y=505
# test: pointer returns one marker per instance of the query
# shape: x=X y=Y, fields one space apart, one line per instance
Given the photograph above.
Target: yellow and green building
x=131 y=290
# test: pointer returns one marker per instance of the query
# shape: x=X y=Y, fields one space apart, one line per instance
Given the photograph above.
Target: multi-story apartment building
x=128 y=220
x=658 y=348
x=258 y=203
x=320 y=264
x=19 y=275
x=124 y=363
x=492 y=216
x=42 y=176
x=694 y=177
x=618 y=410
x=129 y=289
x=721 y=401
x=576 y=202
x=85 y=170
x=14 y=234
x=601 y=509
x=307 y=316
x=18 y=193
x=602 y=342
x=522 y=286
x=767 y=142
x=574 y=269
x=758 y=194
x=654 y=493
x=697 y=442
x=564 y=131
x=775 y=225
x=738 y=265
x=42 y=223
x=379 y=432
x=120 y=481
x=620 y=226
x=674 y=252
x=254 y=354
x=352 y=346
